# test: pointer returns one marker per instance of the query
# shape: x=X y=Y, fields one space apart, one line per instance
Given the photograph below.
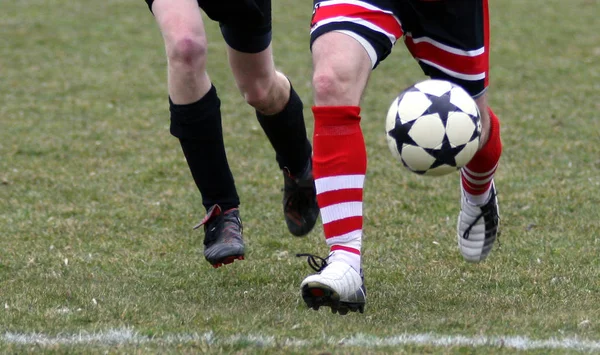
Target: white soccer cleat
x=338 y=286
x=477 y=227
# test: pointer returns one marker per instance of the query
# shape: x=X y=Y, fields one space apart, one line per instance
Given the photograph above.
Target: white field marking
x=124 y=336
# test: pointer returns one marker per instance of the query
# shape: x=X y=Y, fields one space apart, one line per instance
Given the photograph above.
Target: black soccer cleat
x=223 y=241
x=300 y=206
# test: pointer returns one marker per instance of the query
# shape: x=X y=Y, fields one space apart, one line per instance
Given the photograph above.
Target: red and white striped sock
x=339 y=167
x=478 y=174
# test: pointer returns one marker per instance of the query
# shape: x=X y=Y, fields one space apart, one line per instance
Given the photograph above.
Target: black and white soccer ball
x=433 y=127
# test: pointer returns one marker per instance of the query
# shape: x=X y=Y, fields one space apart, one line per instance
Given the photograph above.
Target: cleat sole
x=317 y=295
x=228 y=260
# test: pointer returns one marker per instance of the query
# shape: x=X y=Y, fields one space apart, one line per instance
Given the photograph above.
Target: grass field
x=97 y=204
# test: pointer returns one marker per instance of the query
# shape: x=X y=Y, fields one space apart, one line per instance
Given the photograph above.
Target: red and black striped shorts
x=448 y=38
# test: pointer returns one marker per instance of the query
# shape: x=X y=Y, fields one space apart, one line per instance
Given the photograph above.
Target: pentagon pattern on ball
x=433 y=127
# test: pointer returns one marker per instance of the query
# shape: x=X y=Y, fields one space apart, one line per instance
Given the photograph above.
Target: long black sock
x=287 y=133
x=198 y=127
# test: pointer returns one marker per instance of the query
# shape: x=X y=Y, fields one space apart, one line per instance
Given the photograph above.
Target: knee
x=187 y=51
x=257 y=96
x=328 y=86
x=484 y=114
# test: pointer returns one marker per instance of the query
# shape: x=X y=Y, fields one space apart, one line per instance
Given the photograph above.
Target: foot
x=337 y=285
x=223 y=241
x=300 y=206
x=478 y=227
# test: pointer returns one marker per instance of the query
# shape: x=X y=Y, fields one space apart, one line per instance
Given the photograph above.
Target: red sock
x=477 y=175
x=339 y=167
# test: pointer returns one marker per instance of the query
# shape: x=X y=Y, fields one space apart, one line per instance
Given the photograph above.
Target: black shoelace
x=315 y=262
x=468 y=230
x=484 y=212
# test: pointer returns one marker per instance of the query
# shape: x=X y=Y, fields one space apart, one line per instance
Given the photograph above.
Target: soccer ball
x=433 y=127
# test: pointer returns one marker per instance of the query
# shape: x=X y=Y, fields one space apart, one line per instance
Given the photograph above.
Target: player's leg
x=451 y=41
x=196 y=122
x=348 y=40
x=279 y=111
x=479 y=218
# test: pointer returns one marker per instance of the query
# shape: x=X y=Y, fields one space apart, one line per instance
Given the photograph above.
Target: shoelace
x=481 y=215
x=484 y=211
x=317 y=263
x=468 y=230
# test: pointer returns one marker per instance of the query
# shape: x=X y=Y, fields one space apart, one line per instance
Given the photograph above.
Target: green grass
x=97 y=204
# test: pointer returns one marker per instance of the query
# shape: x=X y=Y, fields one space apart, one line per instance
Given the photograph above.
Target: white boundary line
x=125 y=336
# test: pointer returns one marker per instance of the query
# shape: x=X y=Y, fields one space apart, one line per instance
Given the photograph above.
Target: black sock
x=287 y=133
x=198 y=127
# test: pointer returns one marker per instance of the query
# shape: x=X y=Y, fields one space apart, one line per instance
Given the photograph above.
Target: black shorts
x=245 y=24
x=448 y=38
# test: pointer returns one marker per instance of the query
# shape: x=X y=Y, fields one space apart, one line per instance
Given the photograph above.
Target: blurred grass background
x=97 y=203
